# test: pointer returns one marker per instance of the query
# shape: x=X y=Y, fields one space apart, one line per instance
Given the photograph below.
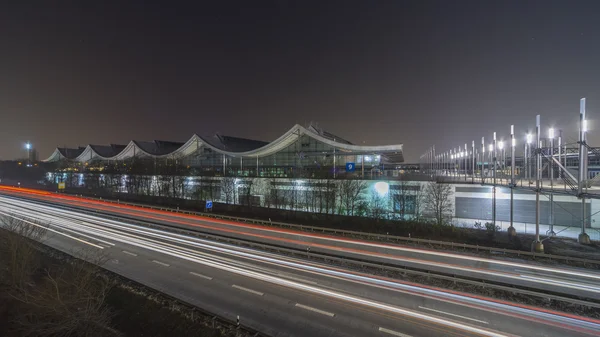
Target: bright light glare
x=514 y=142
x=491 y=147
x=551 y=133
x=584 y=125
x=500 y=145
x=529 y=138
x=382 y=188
x=28 y=146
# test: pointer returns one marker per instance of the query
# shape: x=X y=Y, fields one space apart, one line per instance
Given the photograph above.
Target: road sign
x=209 y=204
x=61 y=186
x=350 y=167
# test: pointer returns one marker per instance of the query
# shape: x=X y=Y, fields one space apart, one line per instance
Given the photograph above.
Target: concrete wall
x=475 y=202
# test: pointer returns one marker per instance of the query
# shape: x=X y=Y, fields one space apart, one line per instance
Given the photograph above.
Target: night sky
x=379 y=72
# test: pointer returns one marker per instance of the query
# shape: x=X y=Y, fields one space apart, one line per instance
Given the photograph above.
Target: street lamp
x=527 y=155
x=551 y=136
x=503 y=163
x=28 y=147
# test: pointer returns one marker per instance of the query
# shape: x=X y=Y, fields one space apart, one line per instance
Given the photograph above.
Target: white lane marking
x=129 y=253
x=200 y=275
x=392 y=332
x=248 y=290
x=54 y=231
x=454 y=315
x=322 y=312
x=161 y=263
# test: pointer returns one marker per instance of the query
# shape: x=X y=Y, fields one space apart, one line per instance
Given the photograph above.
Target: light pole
x=583 y=237
x=551 y=136
x=28 y=147
x=503 y=162
x=482 y=159
x=511 y=230
x=495 y=162
x=528 y=157
x=538 y=245
x=466 y=154
x=473 y=162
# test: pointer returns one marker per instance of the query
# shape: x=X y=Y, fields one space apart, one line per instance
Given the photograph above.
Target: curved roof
x=230 y=146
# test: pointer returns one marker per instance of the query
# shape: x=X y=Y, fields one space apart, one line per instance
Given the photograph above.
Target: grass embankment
x=44 y=292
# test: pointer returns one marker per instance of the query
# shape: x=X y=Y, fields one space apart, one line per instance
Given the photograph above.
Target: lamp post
x=482 y=159
x=583 y=237
x=28 y=147
x=511 y=230
x=494 y=161
x=538 y=245
x=466 y=154
x=551 y=136
x=473 y=162
x=503 y=162
x=528 y=155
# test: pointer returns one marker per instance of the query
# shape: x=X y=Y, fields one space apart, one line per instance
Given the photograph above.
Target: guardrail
x=345 y=261
x=370 y=236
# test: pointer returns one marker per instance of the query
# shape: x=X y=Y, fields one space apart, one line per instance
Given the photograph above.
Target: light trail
x=117 y=229
x=169 y=217
x=552 y=283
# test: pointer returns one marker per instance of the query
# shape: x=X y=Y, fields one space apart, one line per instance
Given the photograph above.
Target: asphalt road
x=282 y=296
x=561 y=280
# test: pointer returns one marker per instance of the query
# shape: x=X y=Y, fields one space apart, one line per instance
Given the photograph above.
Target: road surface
x=283 y=296
x=582 y=283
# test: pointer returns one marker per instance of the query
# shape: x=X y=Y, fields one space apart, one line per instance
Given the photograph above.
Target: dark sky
x=382 y=72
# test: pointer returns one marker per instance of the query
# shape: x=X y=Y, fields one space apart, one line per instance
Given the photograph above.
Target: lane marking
x=248 y=290
x=161 y=263
x=200 y=275
x=322 y=312
x=130 y=253
x=454 y=315
x=392 y=332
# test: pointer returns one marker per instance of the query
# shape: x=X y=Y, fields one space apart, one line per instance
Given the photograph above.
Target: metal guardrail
x=379 y=237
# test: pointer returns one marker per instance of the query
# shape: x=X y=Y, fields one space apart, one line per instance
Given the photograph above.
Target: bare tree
x=350 y=192
x=438 y=201
x=228 y=188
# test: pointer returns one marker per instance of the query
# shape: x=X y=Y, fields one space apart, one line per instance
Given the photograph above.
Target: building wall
x=389 y=199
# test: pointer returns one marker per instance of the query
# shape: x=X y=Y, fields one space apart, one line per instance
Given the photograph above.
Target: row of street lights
x=450 y=162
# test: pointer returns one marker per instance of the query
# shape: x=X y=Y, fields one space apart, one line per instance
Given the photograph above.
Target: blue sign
x=350 y=167
x=208 y=204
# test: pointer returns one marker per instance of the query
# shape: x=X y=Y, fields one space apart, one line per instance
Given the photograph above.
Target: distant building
x=308 y=151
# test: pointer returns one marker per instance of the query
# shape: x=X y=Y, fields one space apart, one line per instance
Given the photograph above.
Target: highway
x=283 y=296
x=561 y=280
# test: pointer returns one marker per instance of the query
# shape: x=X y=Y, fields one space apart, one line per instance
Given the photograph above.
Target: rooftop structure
x=299 y=148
